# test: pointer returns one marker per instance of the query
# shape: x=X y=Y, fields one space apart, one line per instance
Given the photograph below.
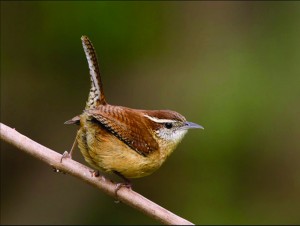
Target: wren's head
x=169 y=126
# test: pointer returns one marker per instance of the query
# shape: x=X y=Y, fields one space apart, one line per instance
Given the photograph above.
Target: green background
x=232 y=67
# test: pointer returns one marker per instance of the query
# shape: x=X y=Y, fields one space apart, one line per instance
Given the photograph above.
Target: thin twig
x=78 y=170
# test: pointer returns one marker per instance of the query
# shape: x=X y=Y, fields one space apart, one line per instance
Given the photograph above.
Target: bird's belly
x=102 y=150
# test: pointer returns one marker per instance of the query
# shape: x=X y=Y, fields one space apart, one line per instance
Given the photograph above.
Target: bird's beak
x=191 y=125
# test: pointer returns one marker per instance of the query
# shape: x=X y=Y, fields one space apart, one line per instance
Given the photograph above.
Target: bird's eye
x=168 y=125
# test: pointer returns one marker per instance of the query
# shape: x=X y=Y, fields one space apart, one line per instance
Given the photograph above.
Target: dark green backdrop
x=233 y=67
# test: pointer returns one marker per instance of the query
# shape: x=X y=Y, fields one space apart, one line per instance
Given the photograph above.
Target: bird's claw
x=95 y=173
x=120 y=185
x=65 y=155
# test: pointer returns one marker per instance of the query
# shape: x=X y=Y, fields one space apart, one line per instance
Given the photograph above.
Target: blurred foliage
x=232 y=67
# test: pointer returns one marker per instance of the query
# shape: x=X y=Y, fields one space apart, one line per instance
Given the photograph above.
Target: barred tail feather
x=96 y=95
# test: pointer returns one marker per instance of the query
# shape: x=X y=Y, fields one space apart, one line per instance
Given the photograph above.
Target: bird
x=131 y=143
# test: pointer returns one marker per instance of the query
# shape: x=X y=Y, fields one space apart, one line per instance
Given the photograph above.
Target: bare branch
x=78 y=170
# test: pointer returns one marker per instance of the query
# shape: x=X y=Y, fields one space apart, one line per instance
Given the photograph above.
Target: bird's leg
x=69 y=154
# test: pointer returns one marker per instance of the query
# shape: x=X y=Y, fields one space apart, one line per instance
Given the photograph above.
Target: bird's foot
x=65 y=155
x=95 y=173
x=127 y=185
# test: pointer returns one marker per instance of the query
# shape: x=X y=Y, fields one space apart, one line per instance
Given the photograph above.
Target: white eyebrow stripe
x=154 y=119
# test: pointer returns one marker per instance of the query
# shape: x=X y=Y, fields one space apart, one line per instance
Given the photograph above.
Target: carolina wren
x=130 y=142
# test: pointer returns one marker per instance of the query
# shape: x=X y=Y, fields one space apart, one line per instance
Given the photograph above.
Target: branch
x=82 y=172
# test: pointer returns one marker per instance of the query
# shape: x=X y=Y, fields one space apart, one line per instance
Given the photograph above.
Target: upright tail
x=96 y=95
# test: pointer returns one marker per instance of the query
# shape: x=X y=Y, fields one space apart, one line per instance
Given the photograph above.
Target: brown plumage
x=130 y=142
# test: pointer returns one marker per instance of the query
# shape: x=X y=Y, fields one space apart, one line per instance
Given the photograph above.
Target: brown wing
x=116 y=120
